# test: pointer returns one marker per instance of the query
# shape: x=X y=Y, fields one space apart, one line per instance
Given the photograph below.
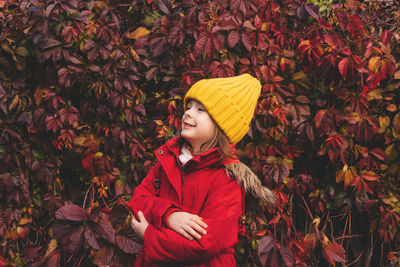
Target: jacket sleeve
x=221 y=213
x=144 y=199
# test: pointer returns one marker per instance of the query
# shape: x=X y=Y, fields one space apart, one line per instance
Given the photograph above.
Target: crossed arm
x=184 y=240
x=186 y=224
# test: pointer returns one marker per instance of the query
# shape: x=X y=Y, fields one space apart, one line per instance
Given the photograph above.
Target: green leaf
x=22 y=51
x=299 y=76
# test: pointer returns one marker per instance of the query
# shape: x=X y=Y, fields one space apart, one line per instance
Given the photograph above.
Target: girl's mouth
x=187 y=125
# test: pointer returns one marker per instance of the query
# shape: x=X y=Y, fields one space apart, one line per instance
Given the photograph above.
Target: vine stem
x=86 y=195
x=307 y=208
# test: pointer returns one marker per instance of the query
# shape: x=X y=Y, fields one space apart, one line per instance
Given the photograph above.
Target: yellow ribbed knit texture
x=229 y=101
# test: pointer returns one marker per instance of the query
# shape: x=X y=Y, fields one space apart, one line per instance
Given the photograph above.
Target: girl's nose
x=187 y=114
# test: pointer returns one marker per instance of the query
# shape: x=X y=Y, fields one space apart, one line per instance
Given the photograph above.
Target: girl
x=189 y=205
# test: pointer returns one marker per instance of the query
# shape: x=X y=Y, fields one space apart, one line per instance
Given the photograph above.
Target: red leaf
x=378 y=153
x=53 y=123
x=3 y=262
x=343 y=66
x=275 y=220
x=69 y=115
x=342 y=18
x=370 y=176
x=319 y=116
x=71 y=212
x=233 y=38
x=244 y=61
x=53 y=259
x=386 y=37
x=218 y=41
x=346 y=51
x=141 y=109
x=247 y=41
x=247 y=24
x=257 y=22
x=119 y=187
x=87 y=163
x=334 y=253
x=324 y=24
x=373 y=80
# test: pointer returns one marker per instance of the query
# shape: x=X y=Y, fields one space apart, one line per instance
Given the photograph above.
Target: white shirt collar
x=185 y=155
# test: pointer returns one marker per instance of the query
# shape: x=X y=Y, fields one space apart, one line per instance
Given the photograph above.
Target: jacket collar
x=206 y=159
x=168 y=156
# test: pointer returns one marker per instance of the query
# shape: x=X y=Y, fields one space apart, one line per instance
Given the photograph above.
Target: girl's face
x=197 y=126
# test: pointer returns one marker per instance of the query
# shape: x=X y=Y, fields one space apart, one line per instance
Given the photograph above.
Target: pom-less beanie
x=229 y=101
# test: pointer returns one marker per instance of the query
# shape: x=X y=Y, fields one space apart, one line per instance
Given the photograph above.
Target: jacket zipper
x=182 y=177
x=182 y=181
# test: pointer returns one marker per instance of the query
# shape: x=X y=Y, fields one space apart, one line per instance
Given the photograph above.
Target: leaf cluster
x=88 y=89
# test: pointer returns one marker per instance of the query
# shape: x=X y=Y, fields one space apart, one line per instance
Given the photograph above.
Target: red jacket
x=200 y=187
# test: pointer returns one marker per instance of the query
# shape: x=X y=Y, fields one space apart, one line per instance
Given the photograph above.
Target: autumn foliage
x=88 y=89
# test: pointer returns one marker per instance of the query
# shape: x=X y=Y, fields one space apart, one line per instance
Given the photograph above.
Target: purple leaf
x=90 y=236
x=103 y=256
x=265 y=246
x=71 y=212
x=164 y=6
x=106 y=228
x=119 y=213
x=128 y=245
x=311 y=11
x=74 y=240
x=29 y=253
x=200 y=43
x=51 y=43
x=287 y=256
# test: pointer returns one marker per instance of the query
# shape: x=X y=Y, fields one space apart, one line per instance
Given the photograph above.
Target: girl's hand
x=187 y=225
x=139 y=226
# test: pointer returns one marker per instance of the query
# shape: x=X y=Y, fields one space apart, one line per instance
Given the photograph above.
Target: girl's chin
x=186 y=132
x=185 y=135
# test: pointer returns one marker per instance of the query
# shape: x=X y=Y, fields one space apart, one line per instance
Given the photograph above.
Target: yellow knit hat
x=229 y=101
